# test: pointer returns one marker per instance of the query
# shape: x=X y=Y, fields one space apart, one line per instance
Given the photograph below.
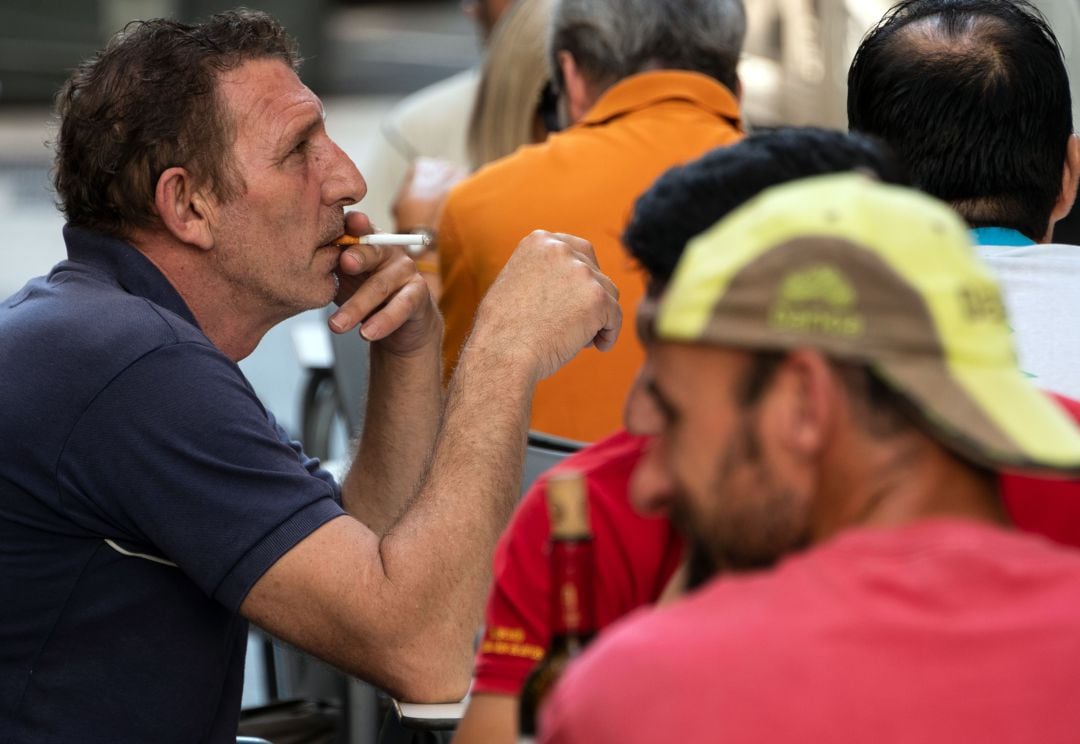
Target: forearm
x=404 y=402
x=471 y=490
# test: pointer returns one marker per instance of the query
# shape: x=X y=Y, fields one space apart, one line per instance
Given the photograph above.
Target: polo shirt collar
x=646 y=89
x=1001 y=237
x=125 y=265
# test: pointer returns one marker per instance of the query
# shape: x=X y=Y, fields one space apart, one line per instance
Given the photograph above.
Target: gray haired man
x=646 y=84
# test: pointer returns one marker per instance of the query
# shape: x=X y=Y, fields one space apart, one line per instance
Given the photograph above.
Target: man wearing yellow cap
x=837 y=384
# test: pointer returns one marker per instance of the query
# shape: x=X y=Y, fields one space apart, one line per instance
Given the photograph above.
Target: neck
x=224 y=317
x=902 y=479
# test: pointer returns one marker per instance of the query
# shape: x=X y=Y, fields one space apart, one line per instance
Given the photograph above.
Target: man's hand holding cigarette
x=381 y=291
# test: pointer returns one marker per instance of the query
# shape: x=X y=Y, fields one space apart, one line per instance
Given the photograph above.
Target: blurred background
x=362 y=57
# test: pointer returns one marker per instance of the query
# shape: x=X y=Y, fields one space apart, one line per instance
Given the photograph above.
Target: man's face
x=715 y=467
x=271 y=243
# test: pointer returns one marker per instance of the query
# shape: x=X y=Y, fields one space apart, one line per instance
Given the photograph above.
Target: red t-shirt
x=937 y=632
x=1047 y=506
x=634 y=557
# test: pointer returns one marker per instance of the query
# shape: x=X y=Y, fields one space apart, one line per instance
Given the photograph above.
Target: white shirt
x=1041 y=284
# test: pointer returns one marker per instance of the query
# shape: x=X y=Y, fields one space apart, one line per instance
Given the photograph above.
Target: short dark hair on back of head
x=148 y=102
x=974 y=96
x=689 y=199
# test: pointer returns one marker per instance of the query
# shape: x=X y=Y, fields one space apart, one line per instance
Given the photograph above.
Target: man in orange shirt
x=648 y=84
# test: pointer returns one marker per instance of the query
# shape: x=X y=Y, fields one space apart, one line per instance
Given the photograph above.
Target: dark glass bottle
x=573 y=623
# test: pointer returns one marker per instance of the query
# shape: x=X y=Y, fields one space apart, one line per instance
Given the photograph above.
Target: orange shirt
x=582 y=181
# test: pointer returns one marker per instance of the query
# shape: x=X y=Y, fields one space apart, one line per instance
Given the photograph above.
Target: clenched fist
x=549 y=302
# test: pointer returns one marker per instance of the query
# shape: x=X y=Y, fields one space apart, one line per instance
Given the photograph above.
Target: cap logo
x=817 y=299
x=982 y=302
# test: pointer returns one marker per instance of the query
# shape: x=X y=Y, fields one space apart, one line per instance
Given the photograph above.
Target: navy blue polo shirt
x=143 y=491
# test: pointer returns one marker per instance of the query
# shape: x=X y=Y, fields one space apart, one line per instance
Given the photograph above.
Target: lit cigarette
x=408 y=239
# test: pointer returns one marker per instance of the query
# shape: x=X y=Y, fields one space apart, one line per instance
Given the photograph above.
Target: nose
x=651 y=488
x=342 y=185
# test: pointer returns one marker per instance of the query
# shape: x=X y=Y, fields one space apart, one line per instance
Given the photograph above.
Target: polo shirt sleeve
x=177 y=458
x=517 y=622
x=311 y=464
x=460 y=297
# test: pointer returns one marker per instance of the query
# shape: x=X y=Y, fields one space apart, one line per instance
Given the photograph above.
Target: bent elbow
x=448 y=689
x=431 y=682
x=429 y=667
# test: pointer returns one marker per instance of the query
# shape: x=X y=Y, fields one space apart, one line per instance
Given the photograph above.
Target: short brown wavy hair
x=147 y=102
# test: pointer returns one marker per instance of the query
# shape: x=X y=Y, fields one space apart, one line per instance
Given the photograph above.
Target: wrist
x=488 y=356
x=420 y=337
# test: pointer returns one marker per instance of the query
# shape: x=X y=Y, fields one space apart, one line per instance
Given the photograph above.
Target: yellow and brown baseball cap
x=881 y=275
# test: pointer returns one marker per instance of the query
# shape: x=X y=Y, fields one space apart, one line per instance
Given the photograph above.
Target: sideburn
x=762 y=523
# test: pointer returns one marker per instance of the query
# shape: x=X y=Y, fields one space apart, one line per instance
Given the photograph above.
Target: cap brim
x=994 y=417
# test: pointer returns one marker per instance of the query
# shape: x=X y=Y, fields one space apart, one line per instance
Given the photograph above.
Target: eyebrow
x=315 y=124
x=304 y=132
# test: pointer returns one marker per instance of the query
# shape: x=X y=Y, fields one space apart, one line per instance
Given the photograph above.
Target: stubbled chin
x=331 y=254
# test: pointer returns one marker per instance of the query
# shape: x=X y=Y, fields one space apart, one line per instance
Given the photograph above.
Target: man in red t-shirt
x=836 y=386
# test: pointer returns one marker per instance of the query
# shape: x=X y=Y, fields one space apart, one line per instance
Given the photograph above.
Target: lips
x=331 y=235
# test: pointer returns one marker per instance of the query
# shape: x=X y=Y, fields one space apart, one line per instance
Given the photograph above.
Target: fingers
x=357 y=223
x=361 y=259
x=372 y=276
x=585 y=252
x=550 y=301
x=610 y=312
x=402 y=305
x=604 y=306
x=608 y=285
x=578 y=245
x=609 y=332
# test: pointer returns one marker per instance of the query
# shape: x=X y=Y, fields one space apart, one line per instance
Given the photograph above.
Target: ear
x=1070 y=177
x=183 y=208
x=575 y=87
x=804 y=401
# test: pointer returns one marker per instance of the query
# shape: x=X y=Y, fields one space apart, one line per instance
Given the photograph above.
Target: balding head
x=974 y=96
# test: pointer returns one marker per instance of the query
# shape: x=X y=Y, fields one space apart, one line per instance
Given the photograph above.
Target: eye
x=301 y=147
